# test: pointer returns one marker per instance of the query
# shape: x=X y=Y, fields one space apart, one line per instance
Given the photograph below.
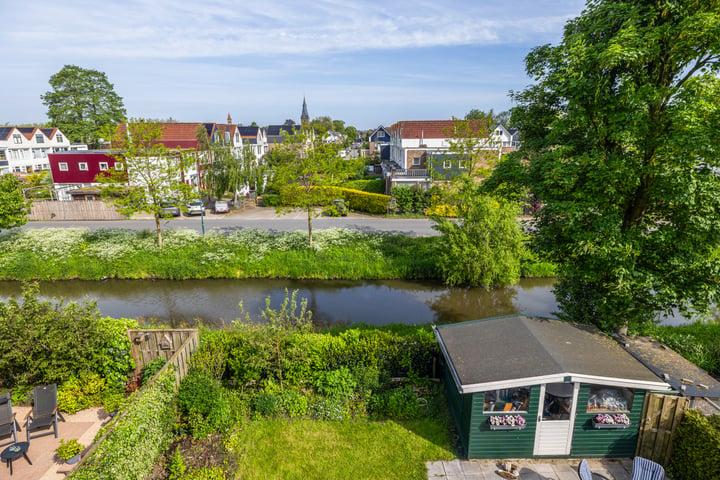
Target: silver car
x=195 y=207
x=169 y=209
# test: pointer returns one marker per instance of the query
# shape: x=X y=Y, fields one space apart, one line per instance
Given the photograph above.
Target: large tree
x=13 y=207
x=82 y=103
x=147 y=173
x=303 y=166
x=620 y=130
x=226 y=170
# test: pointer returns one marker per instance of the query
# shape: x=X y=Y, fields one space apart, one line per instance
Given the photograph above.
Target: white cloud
x=181 y=29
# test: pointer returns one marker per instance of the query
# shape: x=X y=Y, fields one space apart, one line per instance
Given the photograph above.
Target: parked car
x=195 y=207
x=168 y=208
x=221 y=206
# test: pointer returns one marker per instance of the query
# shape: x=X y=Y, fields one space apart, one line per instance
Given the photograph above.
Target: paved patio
x=617 y=469
x=83 y=426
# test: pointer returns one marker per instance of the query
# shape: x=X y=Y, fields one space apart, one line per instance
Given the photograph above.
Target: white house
x=256 y=138
x=414 y=144
x=26 y=149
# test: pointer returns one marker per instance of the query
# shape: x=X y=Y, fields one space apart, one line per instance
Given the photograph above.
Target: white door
x=556 y=415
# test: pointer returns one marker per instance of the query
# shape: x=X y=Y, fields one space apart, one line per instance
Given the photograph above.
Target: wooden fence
x=73 y=210
x=148 y=345
x=175 y=346
x=661 y=416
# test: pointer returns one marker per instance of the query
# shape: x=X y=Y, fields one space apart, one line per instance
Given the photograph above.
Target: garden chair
x=644 y=469
x=585 y=474
x=44 y=413
x=8 y=423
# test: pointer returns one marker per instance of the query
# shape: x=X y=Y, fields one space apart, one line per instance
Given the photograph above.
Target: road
x=261 y=218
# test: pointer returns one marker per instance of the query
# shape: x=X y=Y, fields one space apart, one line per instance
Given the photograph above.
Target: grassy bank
x=78 y=253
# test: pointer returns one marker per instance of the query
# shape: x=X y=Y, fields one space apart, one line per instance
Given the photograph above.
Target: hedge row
x=370 y=186
x=696 y=448
x=356 y=200
x=141 y=435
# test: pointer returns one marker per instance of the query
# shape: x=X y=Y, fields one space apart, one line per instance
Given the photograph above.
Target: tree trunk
x=309 y=212
x=158 y=229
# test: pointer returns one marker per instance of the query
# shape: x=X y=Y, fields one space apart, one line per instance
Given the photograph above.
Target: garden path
x=617 y=469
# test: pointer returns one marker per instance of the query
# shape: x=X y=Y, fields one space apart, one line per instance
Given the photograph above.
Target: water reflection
x=332 y=302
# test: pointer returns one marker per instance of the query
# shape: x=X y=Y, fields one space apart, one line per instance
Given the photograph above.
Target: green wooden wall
x=589 y=442
x=459 y=405
x=486 y=443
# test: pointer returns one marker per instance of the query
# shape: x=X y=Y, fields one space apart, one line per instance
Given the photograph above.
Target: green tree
x=484 y=245
x=620 y=130
x=13 y=207
x=82 y=103
x=303 y=166
x=150 y=174
x=228 y=171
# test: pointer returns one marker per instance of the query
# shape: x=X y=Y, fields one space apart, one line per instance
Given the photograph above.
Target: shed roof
x=684 y=376
x=513 y=351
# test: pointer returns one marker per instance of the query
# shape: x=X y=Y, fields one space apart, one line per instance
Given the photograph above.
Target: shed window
x=609 y=399
x=416 y=161
x=507 y=399
x=63 y=166
x=103 y=166
x=83 y=166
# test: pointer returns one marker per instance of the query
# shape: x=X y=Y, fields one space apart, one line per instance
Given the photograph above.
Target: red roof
x=176 y=135
x=428 y=128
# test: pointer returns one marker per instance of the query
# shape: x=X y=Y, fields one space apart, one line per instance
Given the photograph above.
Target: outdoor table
x=13 y=452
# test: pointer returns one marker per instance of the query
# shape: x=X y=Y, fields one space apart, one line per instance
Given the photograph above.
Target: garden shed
x=522 y=387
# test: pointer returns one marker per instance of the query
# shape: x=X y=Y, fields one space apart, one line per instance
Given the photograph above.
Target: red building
x=78 y=169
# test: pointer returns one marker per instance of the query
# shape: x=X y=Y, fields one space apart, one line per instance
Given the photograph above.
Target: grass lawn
x=286 y=449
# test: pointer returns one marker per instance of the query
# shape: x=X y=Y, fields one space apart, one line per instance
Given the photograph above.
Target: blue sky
x=366 y=62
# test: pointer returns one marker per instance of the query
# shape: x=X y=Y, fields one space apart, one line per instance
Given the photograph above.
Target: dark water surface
x=332 y=302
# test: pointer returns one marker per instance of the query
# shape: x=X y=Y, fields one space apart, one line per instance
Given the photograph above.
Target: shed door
x=556 y=415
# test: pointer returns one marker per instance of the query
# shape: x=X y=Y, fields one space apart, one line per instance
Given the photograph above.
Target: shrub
x=69 y=449
x=338 y=383
x=81 y=392
x=271 y=200
x=400 y=403
x=203 y=403
x=150 y=369
x=133 y=446
x=264 y=404
x=74 y=339
x=696 y=447
x=371 y=186
x=292 y=403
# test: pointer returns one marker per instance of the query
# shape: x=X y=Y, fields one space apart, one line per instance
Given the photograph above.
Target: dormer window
x=17 y=138
x=39 y=138
x=59 y=138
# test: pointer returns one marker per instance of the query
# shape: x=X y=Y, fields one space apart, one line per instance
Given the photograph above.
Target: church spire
x=304 y=117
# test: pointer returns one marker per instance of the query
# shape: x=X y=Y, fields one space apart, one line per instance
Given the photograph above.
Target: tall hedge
x=132 y=448
x=696 y=448
x=357 y=200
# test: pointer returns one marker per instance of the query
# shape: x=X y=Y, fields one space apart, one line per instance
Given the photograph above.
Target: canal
x=215 y=302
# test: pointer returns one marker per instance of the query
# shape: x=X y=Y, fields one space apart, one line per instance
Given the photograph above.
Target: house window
x=46 y=166
x=38 y=167
x=609 y=399
x=103 y=166
x=17 y=138
x=237 y=137
x=380 y=134
x=62 y=166
x=507 y=400
x=82 y=166
x=416 y=161
x=59 y=138
x=39 y=138
x=17 y=168
x=36 y=153
x=447 y=164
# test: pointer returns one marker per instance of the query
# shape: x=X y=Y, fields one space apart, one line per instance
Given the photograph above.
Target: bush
x=150 y=369
x=135 y=443
x=44 y=342
x=292 y=403
x=370 y=186
x=82 y=392
x=271 y=200
x=400 y=403
x=338 y=383
x=203 y=402
x=413 y=199
x=696 y=447
x=264 y=404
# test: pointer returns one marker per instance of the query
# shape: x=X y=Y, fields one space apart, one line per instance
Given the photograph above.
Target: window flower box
x=506 y=422
x=610 y=421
